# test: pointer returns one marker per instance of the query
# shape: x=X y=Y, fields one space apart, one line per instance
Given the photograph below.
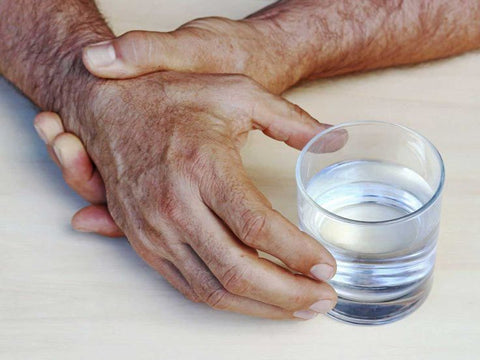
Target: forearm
x=331 y=37
x=40 y=52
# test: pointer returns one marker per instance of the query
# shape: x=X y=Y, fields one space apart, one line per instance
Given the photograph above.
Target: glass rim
x=423 y=208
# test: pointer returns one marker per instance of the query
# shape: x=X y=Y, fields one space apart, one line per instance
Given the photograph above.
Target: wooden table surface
x=66 y=295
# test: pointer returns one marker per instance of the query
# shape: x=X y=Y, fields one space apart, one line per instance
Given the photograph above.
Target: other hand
x=252 y=47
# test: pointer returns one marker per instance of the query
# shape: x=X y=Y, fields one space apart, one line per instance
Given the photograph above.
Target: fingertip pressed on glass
x=370 y=192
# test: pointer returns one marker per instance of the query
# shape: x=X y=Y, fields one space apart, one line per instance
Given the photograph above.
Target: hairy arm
x=332 y=37
x=293 y=40
x=40 y=52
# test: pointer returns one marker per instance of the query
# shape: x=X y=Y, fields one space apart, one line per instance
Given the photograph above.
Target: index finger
x=233 y=197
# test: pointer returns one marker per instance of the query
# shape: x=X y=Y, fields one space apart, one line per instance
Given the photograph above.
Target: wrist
x=68 y=88
x=72 y=94
x=290 y=54
x=314 y=35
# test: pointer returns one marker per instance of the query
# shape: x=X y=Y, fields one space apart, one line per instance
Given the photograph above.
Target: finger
x=96 y=219
x=140 y=52
x=156 y=258
x=287 y=122
x=232 y=196
x=165 y=268
x=213 y=293
x=48 y=126
x=241 y=272
x=170 y=272
x=329 y=141
x=76 y=165
x=77 y=168
x=205 y=287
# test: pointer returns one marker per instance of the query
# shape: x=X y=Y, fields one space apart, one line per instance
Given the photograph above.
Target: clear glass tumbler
x=370 y=192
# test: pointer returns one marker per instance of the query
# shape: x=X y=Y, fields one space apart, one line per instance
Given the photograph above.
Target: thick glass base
x=378 y=313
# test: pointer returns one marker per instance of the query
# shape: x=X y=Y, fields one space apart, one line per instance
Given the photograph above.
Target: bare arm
x=40 y=50
x=335 y=37
x=292 y=40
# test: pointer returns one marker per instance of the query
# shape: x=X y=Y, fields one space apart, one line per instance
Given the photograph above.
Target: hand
x=176 y=187
x=253 y=47
x=203 y=45
x=140 y=52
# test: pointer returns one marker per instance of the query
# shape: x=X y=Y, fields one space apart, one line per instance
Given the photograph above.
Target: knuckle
x=193 y=297
x=199 y=156
x=201 y=162
x=169 y=206
x=297 y=112
x=236 y=279
x=135 y=45
x=254 y=223
x=216 y=298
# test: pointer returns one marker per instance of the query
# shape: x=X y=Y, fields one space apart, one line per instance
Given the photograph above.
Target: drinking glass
x=370 y=192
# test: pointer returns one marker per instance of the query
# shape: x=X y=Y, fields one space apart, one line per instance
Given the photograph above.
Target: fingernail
x=305 y=314
x=40 y=133
x=59 y=154
x=322 y=306
x=101 y=54
x=322 y=272
x=48 y=130
x=335 y=140
x=66 y=151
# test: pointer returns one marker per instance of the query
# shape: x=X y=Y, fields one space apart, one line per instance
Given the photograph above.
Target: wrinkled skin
x=208 y=45
x=217 y=45
x=176 y=187
x=168 y=144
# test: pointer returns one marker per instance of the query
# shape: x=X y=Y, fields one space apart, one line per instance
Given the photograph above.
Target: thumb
x=140 y=52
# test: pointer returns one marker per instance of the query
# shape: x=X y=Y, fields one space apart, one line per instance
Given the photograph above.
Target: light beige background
x=65 y=295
